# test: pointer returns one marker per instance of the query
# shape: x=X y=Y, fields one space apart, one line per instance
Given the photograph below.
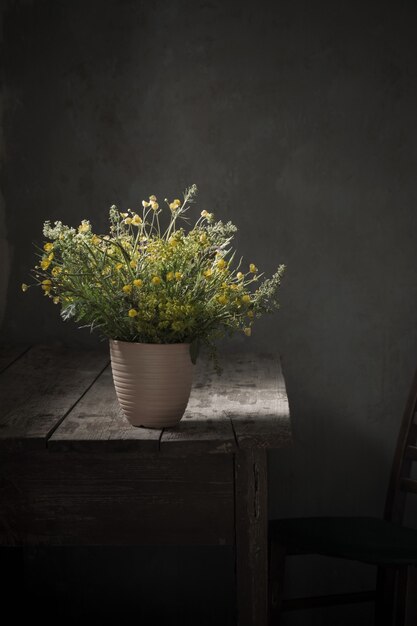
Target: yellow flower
x=145 y=204
x=95 y=240
x=136 y=220
x=127 y=288
x=208 y=272
x=84 y=227
x=156 y=280
x=154 y=206
x=170 y=276
x=247 y=331
x=240 y=276
x=132 y=313
x=250 y=314
x=50 y=256
x=56 y=300
x=203 y=238
x=45 y=263
x=25 y=287
x=48 y=247
x=132 y=263
x=138 y=282
x=128 y=220
x=175 y=204
x=222 y=299
x=204 y=213
x=46 y=285
x=173 y=242
x=246 y=299
x=152 y=198
x=119 y=266
x=47 y=282
x=56 y=271
x=253 y=268
x=221 y=264
x=178 y=275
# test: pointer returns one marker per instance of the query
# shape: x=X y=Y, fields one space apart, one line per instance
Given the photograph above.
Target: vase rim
x=144 y=343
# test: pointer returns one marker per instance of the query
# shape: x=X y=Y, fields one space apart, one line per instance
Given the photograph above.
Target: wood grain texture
x=411 y=596
x=10 y=353
x=41 y=387
x=97 y=423
x=93 y=479
x=251 y=511
x=400 y=482
x=67 y=498
x=205 y=424
x=247 y=404
x=408 y=485
x=411 y=453
x=251 y=392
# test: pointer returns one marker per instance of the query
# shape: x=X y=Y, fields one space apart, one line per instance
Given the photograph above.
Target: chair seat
x=365 y=539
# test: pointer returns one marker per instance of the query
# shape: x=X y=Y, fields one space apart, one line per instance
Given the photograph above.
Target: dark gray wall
x=297 y=121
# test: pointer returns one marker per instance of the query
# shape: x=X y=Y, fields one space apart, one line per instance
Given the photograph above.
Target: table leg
x=251 y=521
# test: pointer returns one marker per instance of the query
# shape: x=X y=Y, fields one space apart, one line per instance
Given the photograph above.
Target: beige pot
x=152 y=381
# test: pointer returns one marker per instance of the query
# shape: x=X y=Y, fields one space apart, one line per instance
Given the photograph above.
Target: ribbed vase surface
x=152 y=381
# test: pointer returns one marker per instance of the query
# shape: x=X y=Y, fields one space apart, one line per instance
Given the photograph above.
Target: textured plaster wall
x=297 y=121
x=4 y=243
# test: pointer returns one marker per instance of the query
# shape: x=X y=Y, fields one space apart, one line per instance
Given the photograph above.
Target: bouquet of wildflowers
x=143 y=282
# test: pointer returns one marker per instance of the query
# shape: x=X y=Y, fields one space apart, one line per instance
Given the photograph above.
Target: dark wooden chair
x=381 y=542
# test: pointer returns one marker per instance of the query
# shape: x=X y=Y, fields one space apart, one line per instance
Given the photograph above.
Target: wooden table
x=74 y=472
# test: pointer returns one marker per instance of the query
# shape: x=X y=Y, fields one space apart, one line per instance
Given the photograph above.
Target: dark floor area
x=146 y=585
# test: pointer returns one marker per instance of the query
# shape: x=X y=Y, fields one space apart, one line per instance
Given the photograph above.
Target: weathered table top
x=63 y=398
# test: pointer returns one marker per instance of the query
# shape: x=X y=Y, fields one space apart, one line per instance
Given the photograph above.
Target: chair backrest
x=401 y=482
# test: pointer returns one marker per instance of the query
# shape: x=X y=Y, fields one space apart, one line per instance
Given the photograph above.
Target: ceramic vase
x=152 y=381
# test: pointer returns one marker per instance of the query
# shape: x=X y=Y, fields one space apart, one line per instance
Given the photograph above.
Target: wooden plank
x=257 y=401
x=40 y=388
x=67 y=498
x=276 y=579
x=401 y=466
x=97 y=423
x=205 y=426
x=10 y=353
x=408 y=485
x=386 y=582
x=406 y=598
x=334 y=599
x=412 y=436
x=251 y=537
x=411 y=453
x=411 y=596
x=250 y=392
